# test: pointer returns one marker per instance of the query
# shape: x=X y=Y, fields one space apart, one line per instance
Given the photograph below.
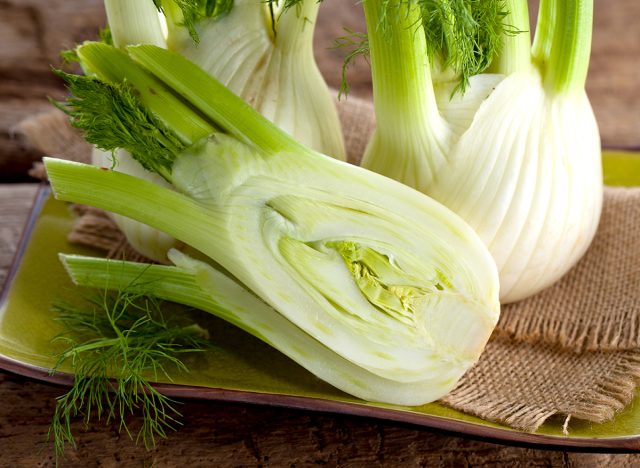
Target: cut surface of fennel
x=396 y=295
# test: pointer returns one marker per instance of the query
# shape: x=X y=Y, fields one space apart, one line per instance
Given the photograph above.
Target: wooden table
x=223 y=434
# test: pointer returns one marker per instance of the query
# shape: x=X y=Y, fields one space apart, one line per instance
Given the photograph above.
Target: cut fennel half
x=378 y=275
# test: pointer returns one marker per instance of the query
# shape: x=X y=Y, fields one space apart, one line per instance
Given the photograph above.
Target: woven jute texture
x=572 y=351
x=524 y=384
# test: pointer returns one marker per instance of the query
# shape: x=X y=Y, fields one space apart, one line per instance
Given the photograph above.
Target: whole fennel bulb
x=517 y=154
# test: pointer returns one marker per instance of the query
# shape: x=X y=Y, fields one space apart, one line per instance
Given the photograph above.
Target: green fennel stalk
x=567 y=61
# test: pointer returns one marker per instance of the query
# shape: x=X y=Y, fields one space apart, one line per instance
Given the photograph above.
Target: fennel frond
x=117 y=344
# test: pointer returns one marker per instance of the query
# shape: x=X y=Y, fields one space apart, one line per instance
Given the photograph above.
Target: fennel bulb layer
x=527 y=176
x=414 y=146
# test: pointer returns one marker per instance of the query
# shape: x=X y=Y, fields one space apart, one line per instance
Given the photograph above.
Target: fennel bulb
x=537 y=209
x=372 y=286
x=517 y=155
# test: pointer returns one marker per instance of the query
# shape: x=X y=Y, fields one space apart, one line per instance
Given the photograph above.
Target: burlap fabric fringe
x=572 y=351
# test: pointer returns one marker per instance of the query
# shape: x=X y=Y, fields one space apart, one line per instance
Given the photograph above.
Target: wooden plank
x=15 y=203
x=32 y=33
x=234 y=435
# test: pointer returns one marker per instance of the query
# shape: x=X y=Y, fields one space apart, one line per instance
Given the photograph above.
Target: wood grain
x=225 y=434
x=221 y=434
x=15 y=203
x=32 y=33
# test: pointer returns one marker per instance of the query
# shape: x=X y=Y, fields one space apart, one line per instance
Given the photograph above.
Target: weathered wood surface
x=32 y=32
x=219 y=434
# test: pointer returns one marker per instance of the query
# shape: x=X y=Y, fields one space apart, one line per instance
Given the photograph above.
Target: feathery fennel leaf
x=117 y=346
x=194 y=11
x=464 y=34
x=461 y=35
x=111 y=116
x=356 y=45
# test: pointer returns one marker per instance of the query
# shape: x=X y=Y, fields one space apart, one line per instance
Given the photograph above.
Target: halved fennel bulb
x=397 y=293
x=389 y=299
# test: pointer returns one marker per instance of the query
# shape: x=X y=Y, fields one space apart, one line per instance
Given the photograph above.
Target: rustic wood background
x=219 y=434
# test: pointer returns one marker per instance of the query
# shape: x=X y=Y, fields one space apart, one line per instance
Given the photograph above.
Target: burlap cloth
x=571 y=351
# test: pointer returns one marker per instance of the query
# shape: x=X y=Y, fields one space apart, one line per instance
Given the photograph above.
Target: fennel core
x=301 y=250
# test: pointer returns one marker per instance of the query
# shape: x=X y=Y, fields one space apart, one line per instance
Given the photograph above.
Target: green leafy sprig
x=356 y=44
x=118 y=346
x=112 y=116
x=194 y=11
x=464 y=34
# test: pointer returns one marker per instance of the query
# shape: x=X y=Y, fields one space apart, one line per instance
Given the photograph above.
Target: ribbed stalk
x=402 y=88
x=169 y=283
x=515 y=55
x=571 y=47
x=115 y=66
x=161 y=281
x=543 y=40
x=180 y=216
x=214 y=101
x=296 y=25
x=134 y=22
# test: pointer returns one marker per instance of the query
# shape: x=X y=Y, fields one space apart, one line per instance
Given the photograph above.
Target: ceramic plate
x=241 y=368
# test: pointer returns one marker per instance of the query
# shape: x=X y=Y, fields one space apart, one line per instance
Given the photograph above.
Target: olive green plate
x=240 y=367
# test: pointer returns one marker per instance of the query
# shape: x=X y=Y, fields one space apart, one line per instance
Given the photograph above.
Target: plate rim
x=624 y=444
